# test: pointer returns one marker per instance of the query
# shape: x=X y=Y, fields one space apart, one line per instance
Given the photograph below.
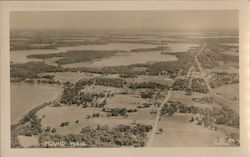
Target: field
x=229 y=96
x=179 y=132
x=197 y=99
x=55 y=116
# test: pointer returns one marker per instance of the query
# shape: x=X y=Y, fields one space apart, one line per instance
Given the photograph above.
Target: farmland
x=128 y=90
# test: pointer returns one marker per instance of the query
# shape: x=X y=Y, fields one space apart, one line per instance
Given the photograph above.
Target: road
x=203 y=76
x=158 y=116
x=189 y=72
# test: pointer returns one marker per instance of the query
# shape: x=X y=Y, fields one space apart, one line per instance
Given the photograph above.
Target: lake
x=25 y=96
x=126 y=59
x=180 y=47
x=20 y=56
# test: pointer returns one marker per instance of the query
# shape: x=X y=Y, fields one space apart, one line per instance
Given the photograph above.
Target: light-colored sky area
x=126 y=20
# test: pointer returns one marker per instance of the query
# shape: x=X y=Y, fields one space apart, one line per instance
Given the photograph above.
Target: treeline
x=197 y=85
x=149 y=85
x=212 y=58
x=72 y=92
x=160 y=48
x=223 y=78
x=48 y=41
x=31 y=70
x=216 y=44
x=124 y=71
x=76 y=56
x=15 y=47
x=172 y=68
x=103 y=136
x=113 y=82
x=128 y=75
x=48 y=81
x=223 y=115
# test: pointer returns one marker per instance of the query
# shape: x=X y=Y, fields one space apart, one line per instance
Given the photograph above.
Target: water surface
x=25 y=97
x=20 y=56
x=126 y=59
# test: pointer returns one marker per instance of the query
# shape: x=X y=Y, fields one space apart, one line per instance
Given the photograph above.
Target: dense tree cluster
x=48 y=81
x=30 y=70
x=150 y=85
x=147 y=94
x=113 y=82
x=47 y=40
x=27 y=46
x=223 y=115
x=73 y=96
x=124 y=70
x=160 y=48
x=172 y=68
x=72 y=93
x=48 y=76
x=128 y=75
x=198 y=85
x=116 y=111
x=216 y=44
x=210 y=59
x=223 y=78
x=104 y=136
x=181 y=84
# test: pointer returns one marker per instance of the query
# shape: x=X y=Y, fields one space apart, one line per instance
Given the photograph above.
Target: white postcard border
x=7 y=7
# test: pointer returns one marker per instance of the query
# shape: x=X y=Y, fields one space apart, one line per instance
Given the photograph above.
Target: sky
x=203 y=20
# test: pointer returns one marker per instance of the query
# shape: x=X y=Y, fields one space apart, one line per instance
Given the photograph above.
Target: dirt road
x=158 y=116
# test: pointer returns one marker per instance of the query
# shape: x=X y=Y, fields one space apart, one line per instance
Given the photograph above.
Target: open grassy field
x=125 y=101
x=27 y=141
x=230 y=95
x=186 y=99
x=179 y=132
x=54 y=116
